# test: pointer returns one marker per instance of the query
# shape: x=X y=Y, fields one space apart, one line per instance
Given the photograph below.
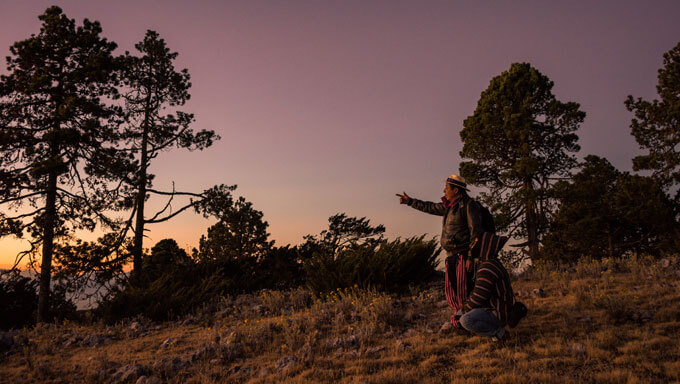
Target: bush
x=174 y=293
x=19 y=302
x=385 y=265
x=280 y=268
x=170 y=284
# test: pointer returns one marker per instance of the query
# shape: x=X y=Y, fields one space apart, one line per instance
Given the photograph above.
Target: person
x=461 y=228
x=491 y=306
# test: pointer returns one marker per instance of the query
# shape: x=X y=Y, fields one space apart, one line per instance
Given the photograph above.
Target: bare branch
x=172 y=215
x=166 y=205
x=175 y=193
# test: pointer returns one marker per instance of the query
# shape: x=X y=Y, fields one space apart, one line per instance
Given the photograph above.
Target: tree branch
x=175 y=193
x=172 y=215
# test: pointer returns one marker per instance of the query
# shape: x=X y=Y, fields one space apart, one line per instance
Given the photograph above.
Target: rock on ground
x=168 y=342
x=129 y=372
x=403 y=345
x=149 y=380
x=374 y=350
x=351 y=342
x=95 y=340
x=446 y=327
x=286 y=363
x=577 y=348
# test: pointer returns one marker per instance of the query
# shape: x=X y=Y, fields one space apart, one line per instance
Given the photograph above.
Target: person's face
x=451 y=192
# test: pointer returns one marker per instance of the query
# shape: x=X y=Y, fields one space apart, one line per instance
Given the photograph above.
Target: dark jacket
x=460 y=223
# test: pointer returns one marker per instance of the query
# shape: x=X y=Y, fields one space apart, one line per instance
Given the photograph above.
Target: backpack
x=518 y=311
x=488 y=224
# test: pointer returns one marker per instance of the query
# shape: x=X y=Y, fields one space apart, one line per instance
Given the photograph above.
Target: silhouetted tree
x=168 y=284
x=606 y=213
x=89 y=269
x=240 y=234
x=344 y=232
x=656 y=125
x=165 y=255
x=519 y=141
x=57 y=136
x=152 y=86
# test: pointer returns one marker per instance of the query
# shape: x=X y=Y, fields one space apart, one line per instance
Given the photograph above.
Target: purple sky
x=334 y=106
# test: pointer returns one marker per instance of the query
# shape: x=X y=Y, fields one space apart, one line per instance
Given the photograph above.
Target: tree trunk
x=47 y=247
x=141 y=199
x=611 y=245
x=141 y=187
x=532 y=222
x=532 y=232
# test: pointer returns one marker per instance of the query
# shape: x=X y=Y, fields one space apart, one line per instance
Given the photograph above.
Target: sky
x=334 y=106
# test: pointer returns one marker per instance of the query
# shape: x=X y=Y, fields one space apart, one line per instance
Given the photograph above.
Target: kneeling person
x=487 y=309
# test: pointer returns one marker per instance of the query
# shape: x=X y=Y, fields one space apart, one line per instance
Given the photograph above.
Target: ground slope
x=600 y=322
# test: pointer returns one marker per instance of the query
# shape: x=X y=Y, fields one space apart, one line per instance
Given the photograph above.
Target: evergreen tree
x=656 y=125
x=57 y=136
x=153 y=85
x=605 y=213
x=519 y=140
x=165 y=256
x=343 y=232
x=239 y=235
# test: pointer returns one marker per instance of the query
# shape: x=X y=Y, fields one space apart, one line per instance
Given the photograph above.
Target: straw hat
x=457 y=181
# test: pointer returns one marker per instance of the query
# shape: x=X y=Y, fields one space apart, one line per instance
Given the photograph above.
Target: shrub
x=280 y=268
x=19 y=302
x=170 y=284
x=385 y=265
x=175 y=292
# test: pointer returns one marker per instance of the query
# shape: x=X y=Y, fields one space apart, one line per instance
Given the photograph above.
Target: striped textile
x=456 y=290
x=492 y=288
x=490 y=245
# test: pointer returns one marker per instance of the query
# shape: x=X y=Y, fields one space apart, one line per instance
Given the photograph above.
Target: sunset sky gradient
x=335 y=106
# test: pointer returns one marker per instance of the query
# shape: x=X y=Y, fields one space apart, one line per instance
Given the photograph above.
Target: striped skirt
x=456 y=285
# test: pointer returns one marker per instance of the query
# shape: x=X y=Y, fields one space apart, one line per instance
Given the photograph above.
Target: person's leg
x=454 y=286
x=482 y=322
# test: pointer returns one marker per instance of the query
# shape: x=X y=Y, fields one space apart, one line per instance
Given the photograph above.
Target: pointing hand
x=403 y=199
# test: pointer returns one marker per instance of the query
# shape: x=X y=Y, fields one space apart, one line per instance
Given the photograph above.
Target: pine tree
x=343 y=232
x=57 y=136
x=519 y=140
x=239 y=234
x=605 y=213
x=656 y=125
x=153 y=85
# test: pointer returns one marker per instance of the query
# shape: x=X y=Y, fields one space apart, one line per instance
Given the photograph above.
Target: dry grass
x=599 y=322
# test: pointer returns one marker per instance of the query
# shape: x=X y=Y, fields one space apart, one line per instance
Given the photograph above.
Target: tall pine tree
x=519 y=139
x=152 y=86
x=656 y=125
x=57 y=135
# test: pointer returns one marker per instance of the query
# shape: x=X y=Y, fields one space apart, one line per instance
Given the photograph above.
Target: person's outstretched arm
x=425 y=206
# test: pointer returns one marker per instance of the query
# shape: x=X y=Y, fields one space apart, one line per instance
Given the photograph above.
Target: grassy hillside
x=601 y=322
